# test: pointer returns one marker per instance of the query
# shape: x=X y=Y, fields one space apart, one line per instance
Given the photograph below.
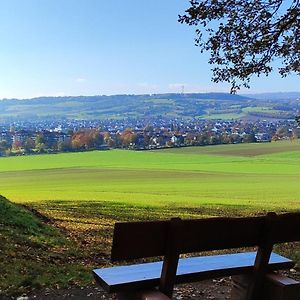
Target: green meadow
x=251 y=177
x=81 y=195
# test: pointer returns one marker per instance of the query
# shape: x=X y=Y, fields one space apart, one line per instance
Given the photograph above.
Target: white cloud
x=80 y=79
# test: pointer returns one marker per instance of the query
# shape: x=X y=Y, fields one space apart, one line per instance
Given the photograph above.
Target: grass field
x=253 y=177
x=85 y=193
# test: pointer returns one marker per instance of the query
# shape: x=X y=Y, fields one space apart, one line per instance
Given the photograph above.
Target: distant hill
x=170 y=106
x=275 y=96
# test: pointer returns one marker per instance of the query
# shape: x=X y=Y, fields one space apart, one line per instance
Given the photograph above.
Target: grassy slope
x=33 y=254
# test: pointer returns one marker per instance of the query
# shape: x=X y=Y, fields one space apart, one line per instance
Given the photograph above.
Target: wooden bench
x=135 y=240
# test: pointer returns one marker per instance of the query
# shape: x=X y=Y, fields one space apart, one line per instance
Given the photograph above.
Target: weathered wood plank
x=287 y=228
x=135 y=240
x=147 y=275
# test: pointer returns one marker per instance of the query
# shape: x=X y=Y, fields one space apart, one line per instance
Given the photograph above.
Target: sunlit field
x=249 y=177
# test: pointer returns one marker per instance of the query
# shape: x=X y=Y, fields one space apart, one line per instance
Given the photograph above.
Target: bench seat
x=147 y=275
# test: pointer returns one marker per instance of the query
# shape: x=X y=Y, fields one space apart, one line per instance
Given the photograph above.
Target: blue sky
x=93 y=47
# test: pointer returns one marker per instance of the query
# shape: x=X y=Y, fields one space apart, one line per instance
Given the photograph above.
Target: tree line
x=86 y=139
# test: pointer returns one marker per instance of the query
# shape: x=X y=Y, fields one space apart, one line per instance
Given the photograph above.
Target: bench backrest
x=171 y=238
x=135 y=240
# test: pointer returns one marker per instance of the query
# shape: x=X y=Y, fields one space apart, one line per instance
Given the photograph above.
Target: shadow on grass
x=90 y=223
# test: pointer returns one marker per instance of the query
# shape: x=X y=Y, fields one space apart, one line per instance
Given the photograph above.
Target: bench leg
x=276 y=287
x=142 y=295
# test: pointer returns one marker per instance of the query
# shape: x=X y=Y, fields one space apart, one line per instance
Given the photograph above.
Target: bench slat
x=141 y=276
x=131 y=242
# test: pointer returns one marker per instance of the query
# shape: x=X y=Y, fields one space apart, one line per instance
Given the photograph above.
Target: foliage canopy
x=245 y=37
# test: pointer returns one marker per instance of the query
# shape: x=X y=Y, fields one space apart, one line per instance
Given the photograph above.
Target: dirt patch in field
x=254 y=152
x=247 y=150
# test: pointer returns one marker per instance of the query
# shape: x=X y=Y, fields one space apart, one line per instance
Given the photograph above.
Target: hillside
x=169 y=106
x=275 y=96
x=32 y=253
